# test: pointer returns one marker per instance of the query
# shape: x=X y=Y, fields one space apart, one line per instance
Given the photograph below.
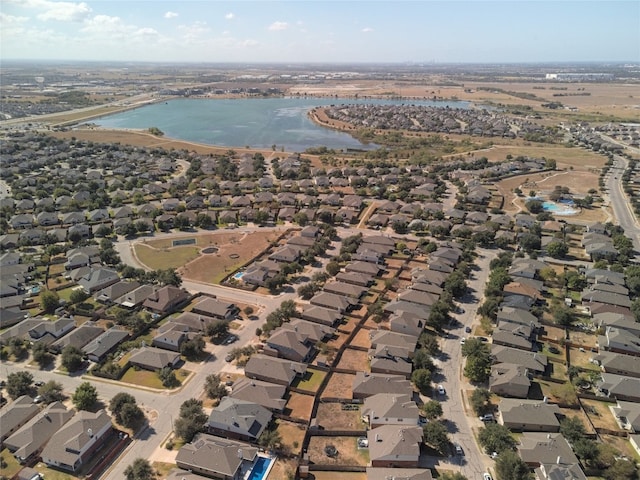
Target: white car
x=462 y=340
x=441 y=390
x=486 y=476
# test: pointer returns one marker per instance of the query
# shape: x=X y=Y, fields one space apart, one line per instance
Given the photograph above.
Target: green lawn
x=51 y=474
x=144 y=378
x=312 y=380
x=158 y=259
x=13 y=467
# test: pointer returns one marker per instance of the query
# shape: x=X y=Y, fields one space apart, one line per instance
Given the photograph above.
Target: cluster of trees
x=85 y=396
x=191 y=420
x=498 y=278
x=126 y=410
x=309 y=289
x=434 y=431
x=282 y=314
x=478 y=365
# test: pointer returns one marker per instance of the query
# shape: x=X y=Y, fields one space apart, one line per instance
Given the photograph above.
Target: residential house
x=49 y=331
x=353 y=278
x=166 y=299
x=170 y=340
x=618 y=364
x=151 y=358
x=15 y=414
x=618 y=340
x=315 y=332
x=509 y=380
x=98 y=279
x=348 y=289
x=217 y=457
x=275 y=370
x=395 y=446
x=529 y=415
x=406 y=323
x=290 y=344
x=79 y=337
x=366 y=268
x=532 y=361
x=27 y=442
x=368 y=384
x=97 y=349
x=339 y=303
x=267 y=394
x=238 y=419
x=627 y=415
x=620 y=387
x=390 y=409
x=112 y=292
x=380 y=473
x=78 y=440
x=323 y=316
x=537 y=448
x=555 y=471
x=215 y=308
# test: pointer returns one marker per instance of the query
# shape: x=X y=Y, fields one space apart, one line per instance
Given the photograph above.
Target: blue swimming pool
x=260 y=468
x=238 y=275
x=559 y=209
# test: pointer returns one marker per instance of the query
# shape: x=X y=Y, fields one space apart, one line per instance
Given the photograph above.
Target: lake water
x=257 y=123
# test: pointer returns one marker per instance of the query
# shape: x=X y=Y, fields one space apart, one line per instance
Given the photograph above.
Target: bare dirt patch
x=361 y=339
x=600 y=414
x=340 y=385
x=299 y=406
x=292 y=435
x=347 y=447
x=283 y=468
x=340 y=475
x=331 y=416
x=355 y=360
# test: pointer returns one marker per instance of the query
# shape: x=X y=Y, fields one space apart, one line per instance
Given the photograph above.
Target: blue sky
x=321 y=31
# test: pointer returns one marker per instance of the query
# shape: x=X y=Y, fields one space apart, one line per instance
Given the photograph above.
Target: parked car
x=441 y=390
x=462 y=340
x=467 y=329
x=487 y=417
x=228 y=358
x=230 y=339
x=458 y=449
x=38 y=399
x=363 y=442
x=486 y=476
x=39 y=383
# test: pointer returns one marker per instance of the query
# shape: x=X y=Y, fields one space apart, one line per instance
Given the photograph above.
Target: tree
x=168 y=377
x=495 y=438
x=333 y=268
x=478 y=368
x=530 y=242
x=169 y=276
x=193 y=348
x=191 y=421
x=436 y=435
x=18 y=384
x=557 y=249
x=474 y=346
x=534 y=206
x=422 y=379
x=41 y=355
x=85 y=396
x=140 y=469
x=213 y=387
x=452 y=476
x=432 y=409
x=422 y=359
x=509 y=466
x=572 y=429
x=49 y=301
x=78 y=296
x=563 y=315
x=125 y=409
x=270 y=439
x=622 y=469
x=217 y=330
x=72 y=358
x=479 y=400
x=51 y=392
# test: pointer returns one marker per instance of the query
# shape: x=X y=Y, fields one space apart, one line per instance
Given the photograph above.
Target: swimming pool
x=260 y=468
x=238 y=275
x=559 y=209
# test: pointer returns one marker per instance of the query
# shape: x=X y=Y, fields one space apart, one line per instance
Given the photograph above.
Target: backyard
x=299 y=406
x=332 y=416
x=348 y=452
x=340 y=385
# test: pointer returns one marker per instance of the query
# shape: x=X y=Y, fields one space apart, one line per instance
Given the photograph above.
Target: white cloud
x=60 y=11
x=367 y=30
x=277 y=26
x=195 y=31
x=106 y=24
x=170 y=15
x=10 y=25
x=230 y=16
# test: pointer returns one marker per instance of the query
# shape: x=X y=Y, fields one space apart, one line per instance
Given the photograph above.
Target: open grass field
x=348 y=451
x=13 y=467
x=157 y=259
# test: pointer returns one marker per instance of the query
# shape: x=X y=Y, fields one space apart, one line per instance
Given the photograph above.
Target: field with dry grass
x=348 y=451
x=332 y=417
x=299 y=406
x=355 y=360
x=339 y=386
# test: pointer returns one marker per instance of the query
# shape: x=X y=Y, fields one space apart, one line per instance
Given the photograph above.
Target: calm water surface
x=257 y=123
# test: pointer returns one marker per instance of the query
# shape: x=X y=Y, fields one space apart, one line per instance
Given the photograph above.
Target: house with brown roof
x=509 y=380
x=275 y=370
x=151 y=358
x=395 y=446
x=321 y=315
x=166 y=299
x=390 y=409
x=290 y=344
x=238 y=419
x=217 y=457
x=348 y=289
x=521 y=415
x=215 y=308
x=538 y=448
x=368 y=384
x=269 y=395
x=339 y=303
x=381 y=473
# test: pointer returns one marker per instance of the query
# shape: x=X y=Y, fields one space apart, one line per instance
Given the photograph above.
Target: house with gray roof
x=511 y=339
x=534 y=362
x=275 y=370
x=365 y=268
x=521 y=415
x=620 y=387
x=29 y=439
x=290 y=344
x=406 y=323
x=112 y=292
x=381 y=473
x=75 y=443
x=617 y=363
x=269 y=395
x=627 y=414
x=348 y=289
x=323 y=316
x=238 y=419
x=98 y=279
x=314 y=332
x=217 y=457
x=49 y=331
x=215 y=308
x=368 y=384
x=620 y=341
x=554 y=471
x=390 y=409
x=79 y=337
x=395 y=446
x=151 y=358
x=136 y=297
x=537 y=448
x=332 y=301
x=97 y=349
x=509 y=380
x=15 y=414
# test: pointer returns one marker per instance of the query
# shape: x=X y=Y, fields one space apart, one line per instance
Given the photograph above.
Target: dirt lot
x=348 y=452
x=600 y=414
x=355 y=360
x=292 y=434
x=332 y=417
x=361 y=339
x=299 y=406
x=282 y=468
x=340 y=475
x=350 y=324
x=339 y=386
